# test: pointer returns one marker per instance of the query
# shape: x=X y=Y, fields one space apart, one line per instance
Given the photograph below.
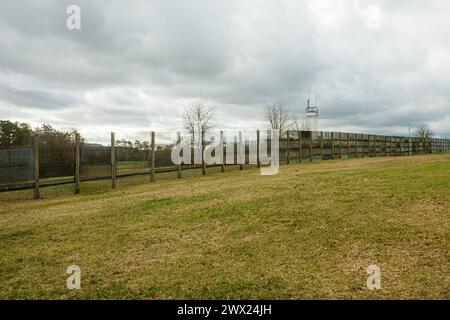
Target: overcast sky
x=375 y=66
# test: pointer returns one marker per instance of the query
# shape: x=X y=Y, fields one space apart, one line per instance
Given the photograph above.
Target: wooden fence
x=294 y=147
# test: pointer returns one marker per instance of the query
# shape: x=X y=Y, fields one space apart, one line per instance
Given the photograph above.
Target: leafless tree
x=278 y=116
x=306 y=126
x=197 y=120
x=423 y=131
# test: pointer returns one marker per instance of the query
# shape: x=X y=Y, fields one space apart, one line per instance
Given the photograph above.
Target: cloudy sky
x=375 y=66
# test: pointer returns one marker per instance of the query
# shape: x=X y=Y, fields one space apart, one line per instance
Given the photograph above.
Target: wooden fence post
x=394 y=149
x=332 y=145
x=365 y=145
x=370 y=147
x=380 y=146
x=377 y=144
x=77 y=163
x=287 y=146
x=179 y=175
x=410 y=146
x=402 y=145
x=361 y=144
x=152 y=157
x=311 y=147
x=348 y=145
x=222 y=166
x=355 y=140
x=374 y=146
x=113 y=161
x=429 y=145
x=321 y=145
x=385 y=146
x=390 y=146
x=258 y=161
x=299 y=134
x=340 y=145
x=36 y=192
x=398 y=146
x=203 y=151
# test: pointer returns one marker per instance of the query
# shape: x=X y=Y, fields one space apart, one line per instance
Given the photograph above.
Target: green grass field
x=309 y=232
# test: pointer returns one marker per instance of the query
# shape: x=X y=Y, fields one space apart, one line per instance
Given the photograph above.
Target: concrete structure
x=311 y=117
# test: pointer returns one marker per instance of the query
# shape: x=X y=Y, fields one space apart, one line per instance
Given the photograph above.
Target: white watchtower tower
x=311 y=116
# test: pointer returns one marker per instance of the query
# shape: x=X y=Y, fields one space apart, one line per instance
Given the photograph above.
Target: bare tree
x=423 y=131
x=278 y=116
x=197 y=120
x=306 y=126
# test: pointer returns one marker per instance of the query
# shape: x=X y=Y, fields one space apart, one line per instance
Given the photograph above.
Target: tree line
x=20 y=134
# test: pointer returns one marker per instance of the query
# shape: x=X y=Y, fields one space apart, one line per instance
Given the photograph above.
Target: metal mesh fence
x=57 y=157
x=16 y=166
x=56 y=161
x=95 y=162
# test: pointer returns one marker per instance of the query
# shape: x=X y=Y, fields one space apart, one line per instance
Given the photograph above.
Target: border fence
x=39 y=165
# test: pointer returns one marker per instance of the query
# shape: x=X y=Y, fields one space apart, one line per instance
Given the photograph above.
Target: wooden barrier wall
x=294 y=147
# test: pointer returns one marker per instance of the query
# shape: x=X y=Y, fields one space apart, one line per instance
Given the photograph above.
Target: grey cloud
x=138 y=63
x=39 y=99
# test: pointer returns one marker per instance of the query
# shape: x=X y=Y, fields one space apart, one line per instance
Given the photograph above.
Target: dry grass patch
x=309 y=232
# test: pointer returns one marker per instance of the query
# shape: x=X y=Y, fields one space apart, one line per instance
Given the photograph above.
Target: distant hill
x=94 y=145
